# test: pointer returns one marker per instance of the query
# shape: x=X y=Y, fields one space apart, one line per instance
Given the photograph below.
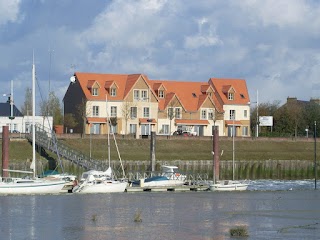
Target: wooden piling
x=5 y=150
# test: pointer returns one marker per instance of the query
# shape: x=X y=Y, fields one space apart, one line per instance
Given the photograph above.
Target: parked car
x=184 y=133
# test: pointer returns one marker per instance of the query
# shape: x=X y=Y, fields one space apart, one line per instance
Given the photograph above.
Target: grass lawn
x=180 y=149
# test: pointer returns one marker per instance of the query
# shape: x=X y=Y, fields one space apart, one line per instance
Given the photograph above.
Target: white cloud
x=9 y=11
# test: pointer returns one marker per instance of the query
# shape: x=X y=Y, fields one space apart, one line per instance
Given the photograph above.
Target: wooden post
x=5 y=150
x=153 y=151
x=216 y=155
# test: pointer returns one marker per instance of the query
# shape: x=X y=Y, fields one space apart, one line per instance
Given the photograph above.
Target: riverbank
x=190 y=148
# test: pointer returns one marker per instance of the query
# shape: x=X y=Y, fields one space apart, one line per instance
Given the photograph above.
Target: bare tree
x=26 y=109
x=126 y=112
x=82 y=113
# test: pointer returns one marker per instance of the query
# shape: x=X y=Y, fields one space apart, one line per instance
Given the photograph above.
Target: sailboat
x=30 y=185
x=94 y=181
x=230 y=185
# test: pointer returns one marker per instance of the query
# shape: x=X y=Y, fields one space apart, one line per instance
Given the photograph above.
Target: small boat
x=169 y=176
x=99 y=182
x=94 y=181
x=229 y=185
x=32 y=185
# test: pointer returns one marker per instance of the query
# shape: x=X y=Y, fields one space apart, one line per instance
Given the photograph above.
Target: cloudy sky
x=273 y=44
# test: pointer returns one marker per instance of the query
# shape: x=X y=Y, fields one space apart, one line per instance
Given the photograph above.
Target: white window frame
x=165 y=129
x=177 y=113
x=245 y=130
x=230 y=96
x=232 y=114
x=146 y=112
x=203 y=114
x=113 y=111
x=95 y=111
x=245 y=113
x=144 y=95
x=133 y=112
x=161 y=94
x=113 y=92
x=94 y=92
x=136 y=95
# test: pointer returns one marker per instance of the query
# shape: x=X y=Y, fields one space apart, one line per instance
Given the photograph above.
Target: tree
x=171 y=113
x=126 y=112
x=52 y=107
x=82 y=113
x=69 y=121
x=26 y=109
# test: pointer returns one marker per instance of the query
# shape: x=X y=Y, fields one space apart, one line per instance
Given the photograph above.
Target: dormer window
x=113 y=92
x=230 y=96
x=94 y=91
x=161 y=94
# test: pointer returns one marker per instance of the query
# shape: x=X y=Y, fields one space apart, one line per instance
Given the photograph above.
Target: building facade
x=137 y=105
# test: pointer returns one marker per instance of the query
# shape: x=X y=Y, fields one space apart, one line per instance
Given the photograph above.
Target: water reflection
x=195 y=215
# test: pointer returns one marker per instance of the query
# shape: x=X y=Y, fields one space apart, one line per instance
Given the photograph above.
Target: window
x=232 y=114
x=242 y=96
x=113 y=92
x=245 y=113
x=245 y=130
x=95 y=111
x=161 y=94
x=133 y=112
x=177 y=112
x=203 y=114
x=94 y=91
x=113 y=111
x=133 y=128
x=164 y=129
x=144 y=95
x=230 y=96
x=194 y=95
x=211 y=114
x=146 y=112
x=136 y=95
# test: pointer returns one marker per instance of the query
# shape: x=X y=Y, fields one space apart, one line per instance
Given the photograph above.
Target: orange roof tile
x=191 y=122
x=146 y=120
x=188 y=93
x=223 y=85
x=231 y=122
x=96 y=120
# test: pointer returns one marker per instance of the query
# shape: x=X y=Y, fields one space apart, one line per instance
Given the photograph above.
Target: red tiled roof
x=231 y=122
x=191 y=122
x=145 y=120
x=223 y=85
x=96 y=120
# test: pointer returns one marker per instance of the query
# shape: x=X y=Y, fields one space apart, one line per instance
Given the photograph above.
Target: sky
x=272 y=44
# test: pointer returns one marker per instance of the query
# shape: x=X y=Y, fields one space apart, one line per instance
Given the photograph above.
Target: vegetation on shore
x=180 y=149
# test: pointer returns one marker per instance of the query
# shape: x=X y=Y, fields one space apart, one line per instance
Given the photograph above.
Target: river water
x=268 y=210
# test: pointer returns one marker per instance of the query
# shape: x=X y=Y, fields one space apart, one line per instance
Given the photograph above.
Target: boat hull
x=32 y=187
x=103 y=187
x=229 y=186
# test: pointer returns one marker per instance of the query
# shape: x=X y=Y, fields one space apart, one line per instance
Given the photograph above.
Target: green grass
x=180 y=149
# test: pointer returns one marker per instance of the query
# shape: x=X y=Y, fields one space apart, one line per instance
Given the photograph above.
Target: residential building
x=138 y=105
x=17 y=122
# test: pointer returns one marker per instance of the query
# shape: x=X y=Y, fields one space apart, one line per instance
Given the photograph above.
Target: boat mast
x=233 y=133
x=108 y=131
x=33 y=117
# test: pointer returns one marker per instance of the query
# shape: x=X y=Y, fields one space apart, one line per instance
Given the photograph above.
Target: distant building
x=19 y=123
x=138 y=105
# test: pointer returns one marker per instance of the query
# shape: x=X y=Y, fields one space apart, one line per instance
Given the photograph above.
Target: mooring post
x=153 y=151
x=5 y=150
x=216 y=155
x=315 y=155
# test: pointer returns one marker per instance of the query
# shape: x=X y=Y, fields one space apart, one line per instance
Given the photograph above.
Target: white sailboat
x=30 y=185
x=230 y=185
x=102 y=181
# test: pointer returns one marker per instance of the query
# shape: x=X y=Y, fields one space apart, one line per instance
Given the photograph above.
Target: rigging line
x=53 y=135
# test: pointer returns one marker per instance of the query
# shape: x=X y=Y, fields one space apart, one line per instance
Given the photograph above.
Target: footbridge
x=47 y=139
